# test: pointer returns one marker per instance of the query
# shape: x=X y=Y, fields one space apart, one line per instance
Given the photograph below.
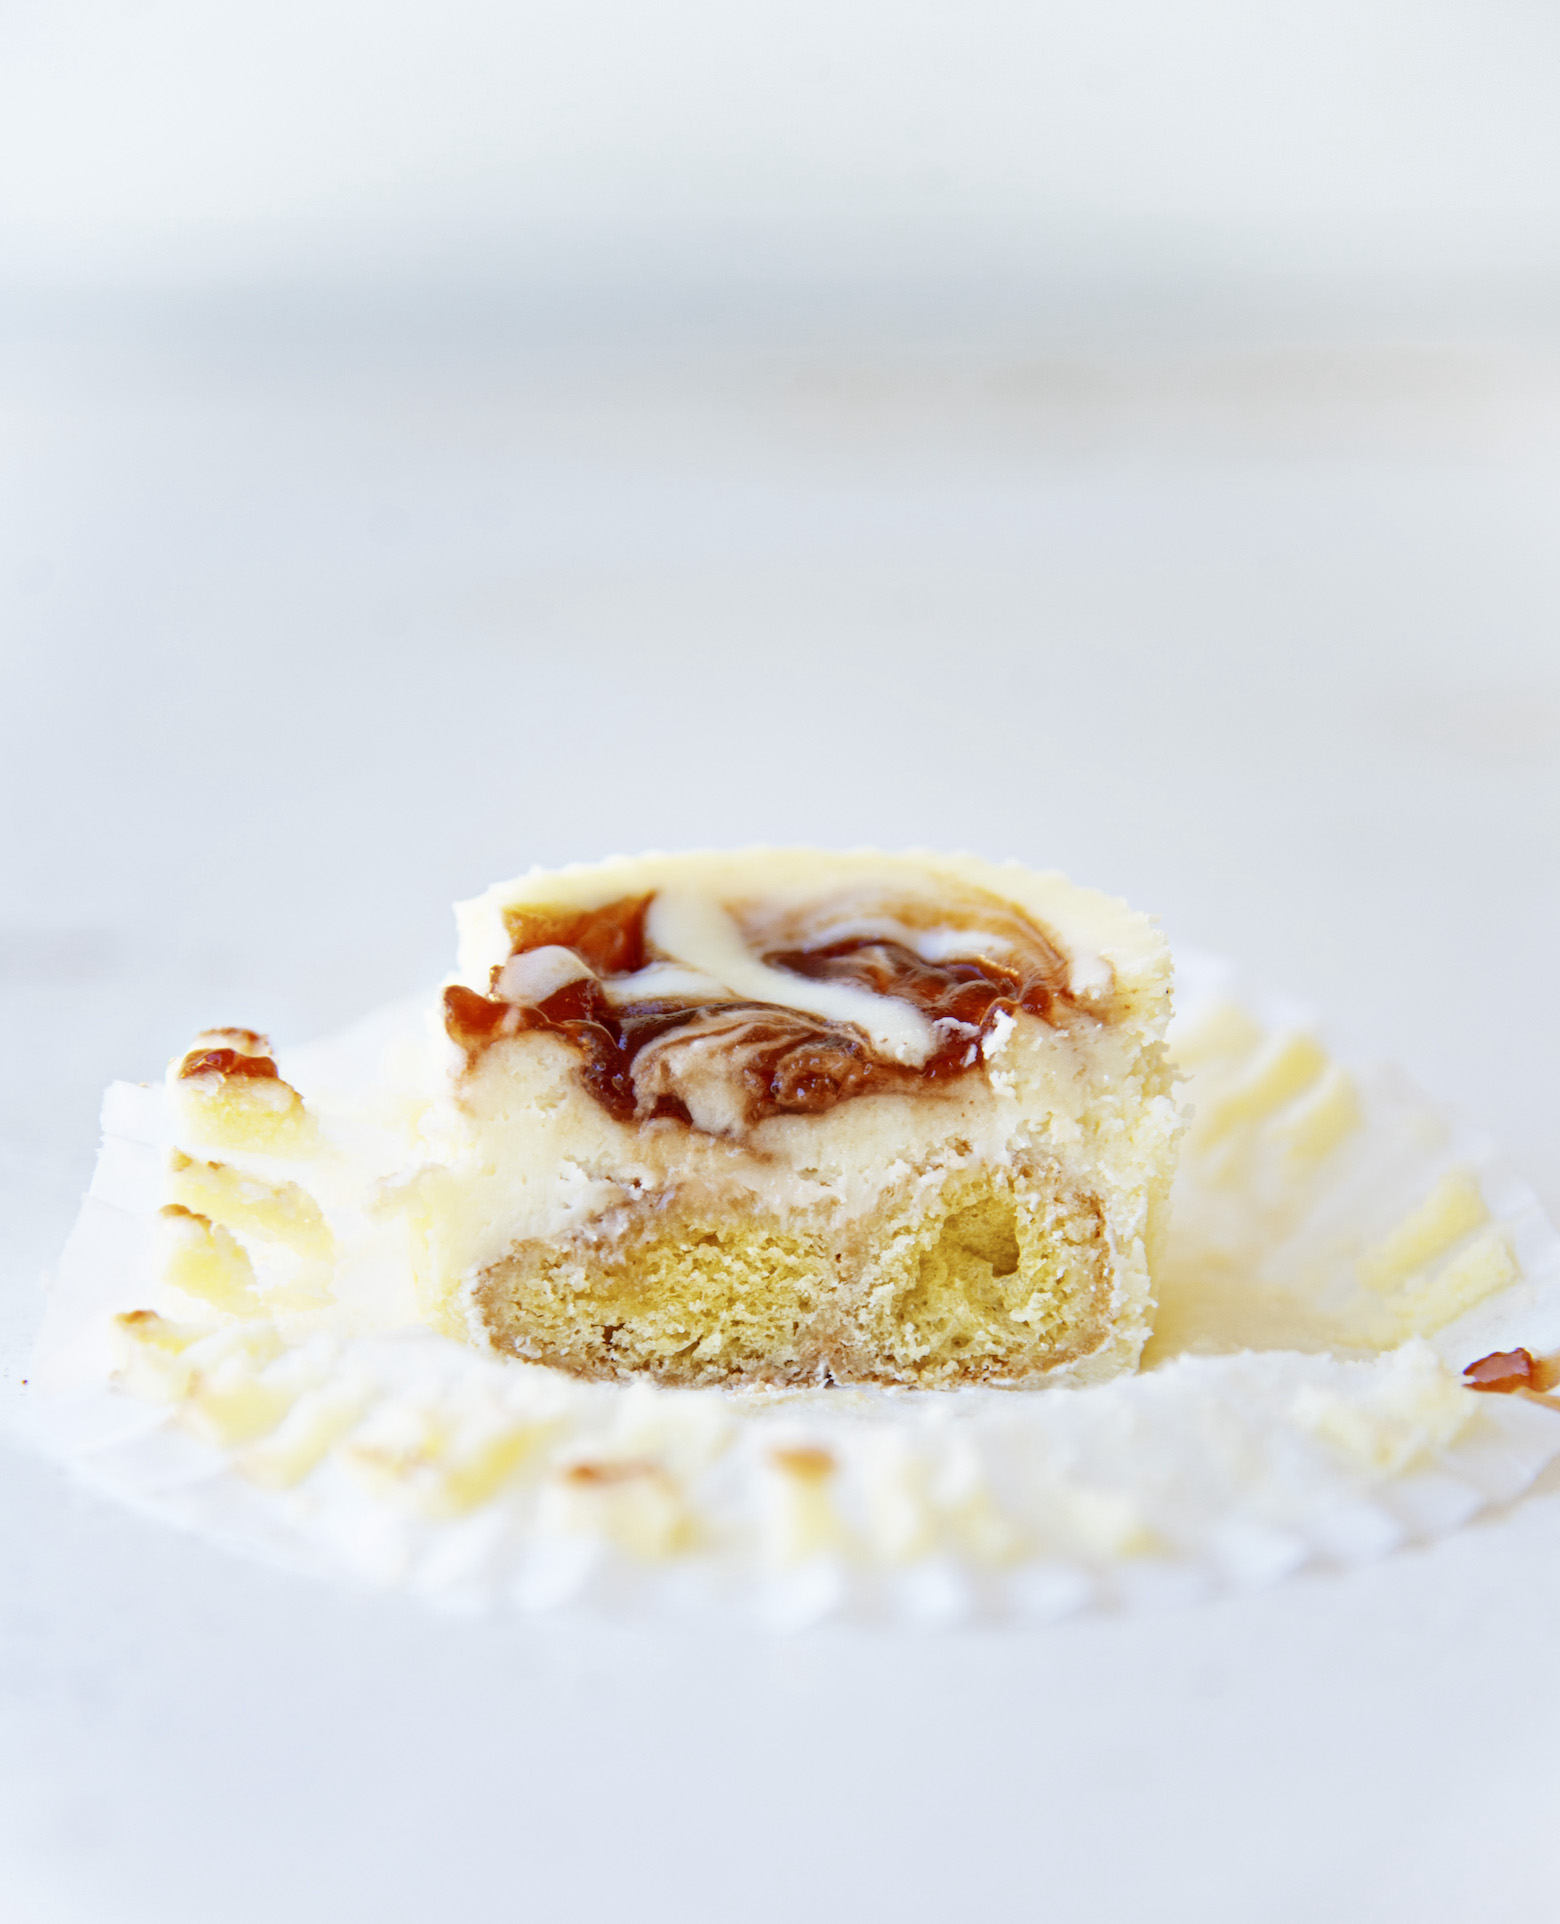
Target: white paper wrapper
x=1339 y=1252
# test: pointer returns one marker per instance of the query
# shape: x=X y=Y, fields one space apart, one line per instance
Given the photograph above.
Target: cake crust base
x=985 y=1275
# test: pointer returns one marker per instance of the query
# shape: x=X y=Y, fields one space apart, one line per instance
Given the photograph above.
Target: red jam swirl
x=792 y=1063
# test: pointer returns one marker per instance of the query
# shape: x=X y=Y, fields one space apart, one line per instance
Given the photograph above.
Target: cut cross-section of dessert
x=787 y=1117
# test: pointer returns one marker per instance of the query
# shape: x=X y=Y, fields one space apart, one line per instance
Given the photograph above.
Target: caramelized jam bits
x=1507 y=1370
x=248 y=1042
x=472 y=1020
x=229 y=1052
x=226 y=1062
x=799 y=1064
x=611 y=939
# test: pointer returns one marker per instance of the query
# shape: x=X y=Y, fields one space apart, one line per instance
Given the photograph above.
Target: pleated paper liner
x=1338 y=1252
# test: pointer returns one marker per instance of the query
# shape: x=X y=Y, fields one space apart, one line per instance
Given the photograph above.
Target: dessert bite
x=786 y=1117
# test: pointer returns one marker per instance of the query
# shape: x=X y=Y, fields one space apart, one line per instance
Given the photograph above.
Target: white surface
x=310 y=638
x=174 y=136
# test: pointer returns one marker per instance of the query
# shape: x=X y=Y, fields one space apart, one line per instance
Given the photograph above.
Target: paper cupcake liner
x=1338 y=1251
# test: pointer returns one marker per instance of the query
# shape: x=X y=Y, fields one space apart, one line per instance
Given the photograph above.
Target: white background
x=147 y=132
x=436 y=441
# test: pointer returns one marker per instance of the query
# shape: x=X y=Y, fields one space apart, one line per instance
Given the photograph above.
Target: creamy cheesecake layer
x=785 y=1116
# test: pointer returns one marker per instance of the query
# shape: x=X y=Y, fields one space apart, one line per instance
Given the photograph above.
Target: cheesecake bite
x=786 y=1117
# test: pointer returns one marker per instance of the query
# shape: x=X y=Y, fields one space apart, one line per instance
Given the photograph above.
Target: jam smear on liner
x=1506 y=1372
